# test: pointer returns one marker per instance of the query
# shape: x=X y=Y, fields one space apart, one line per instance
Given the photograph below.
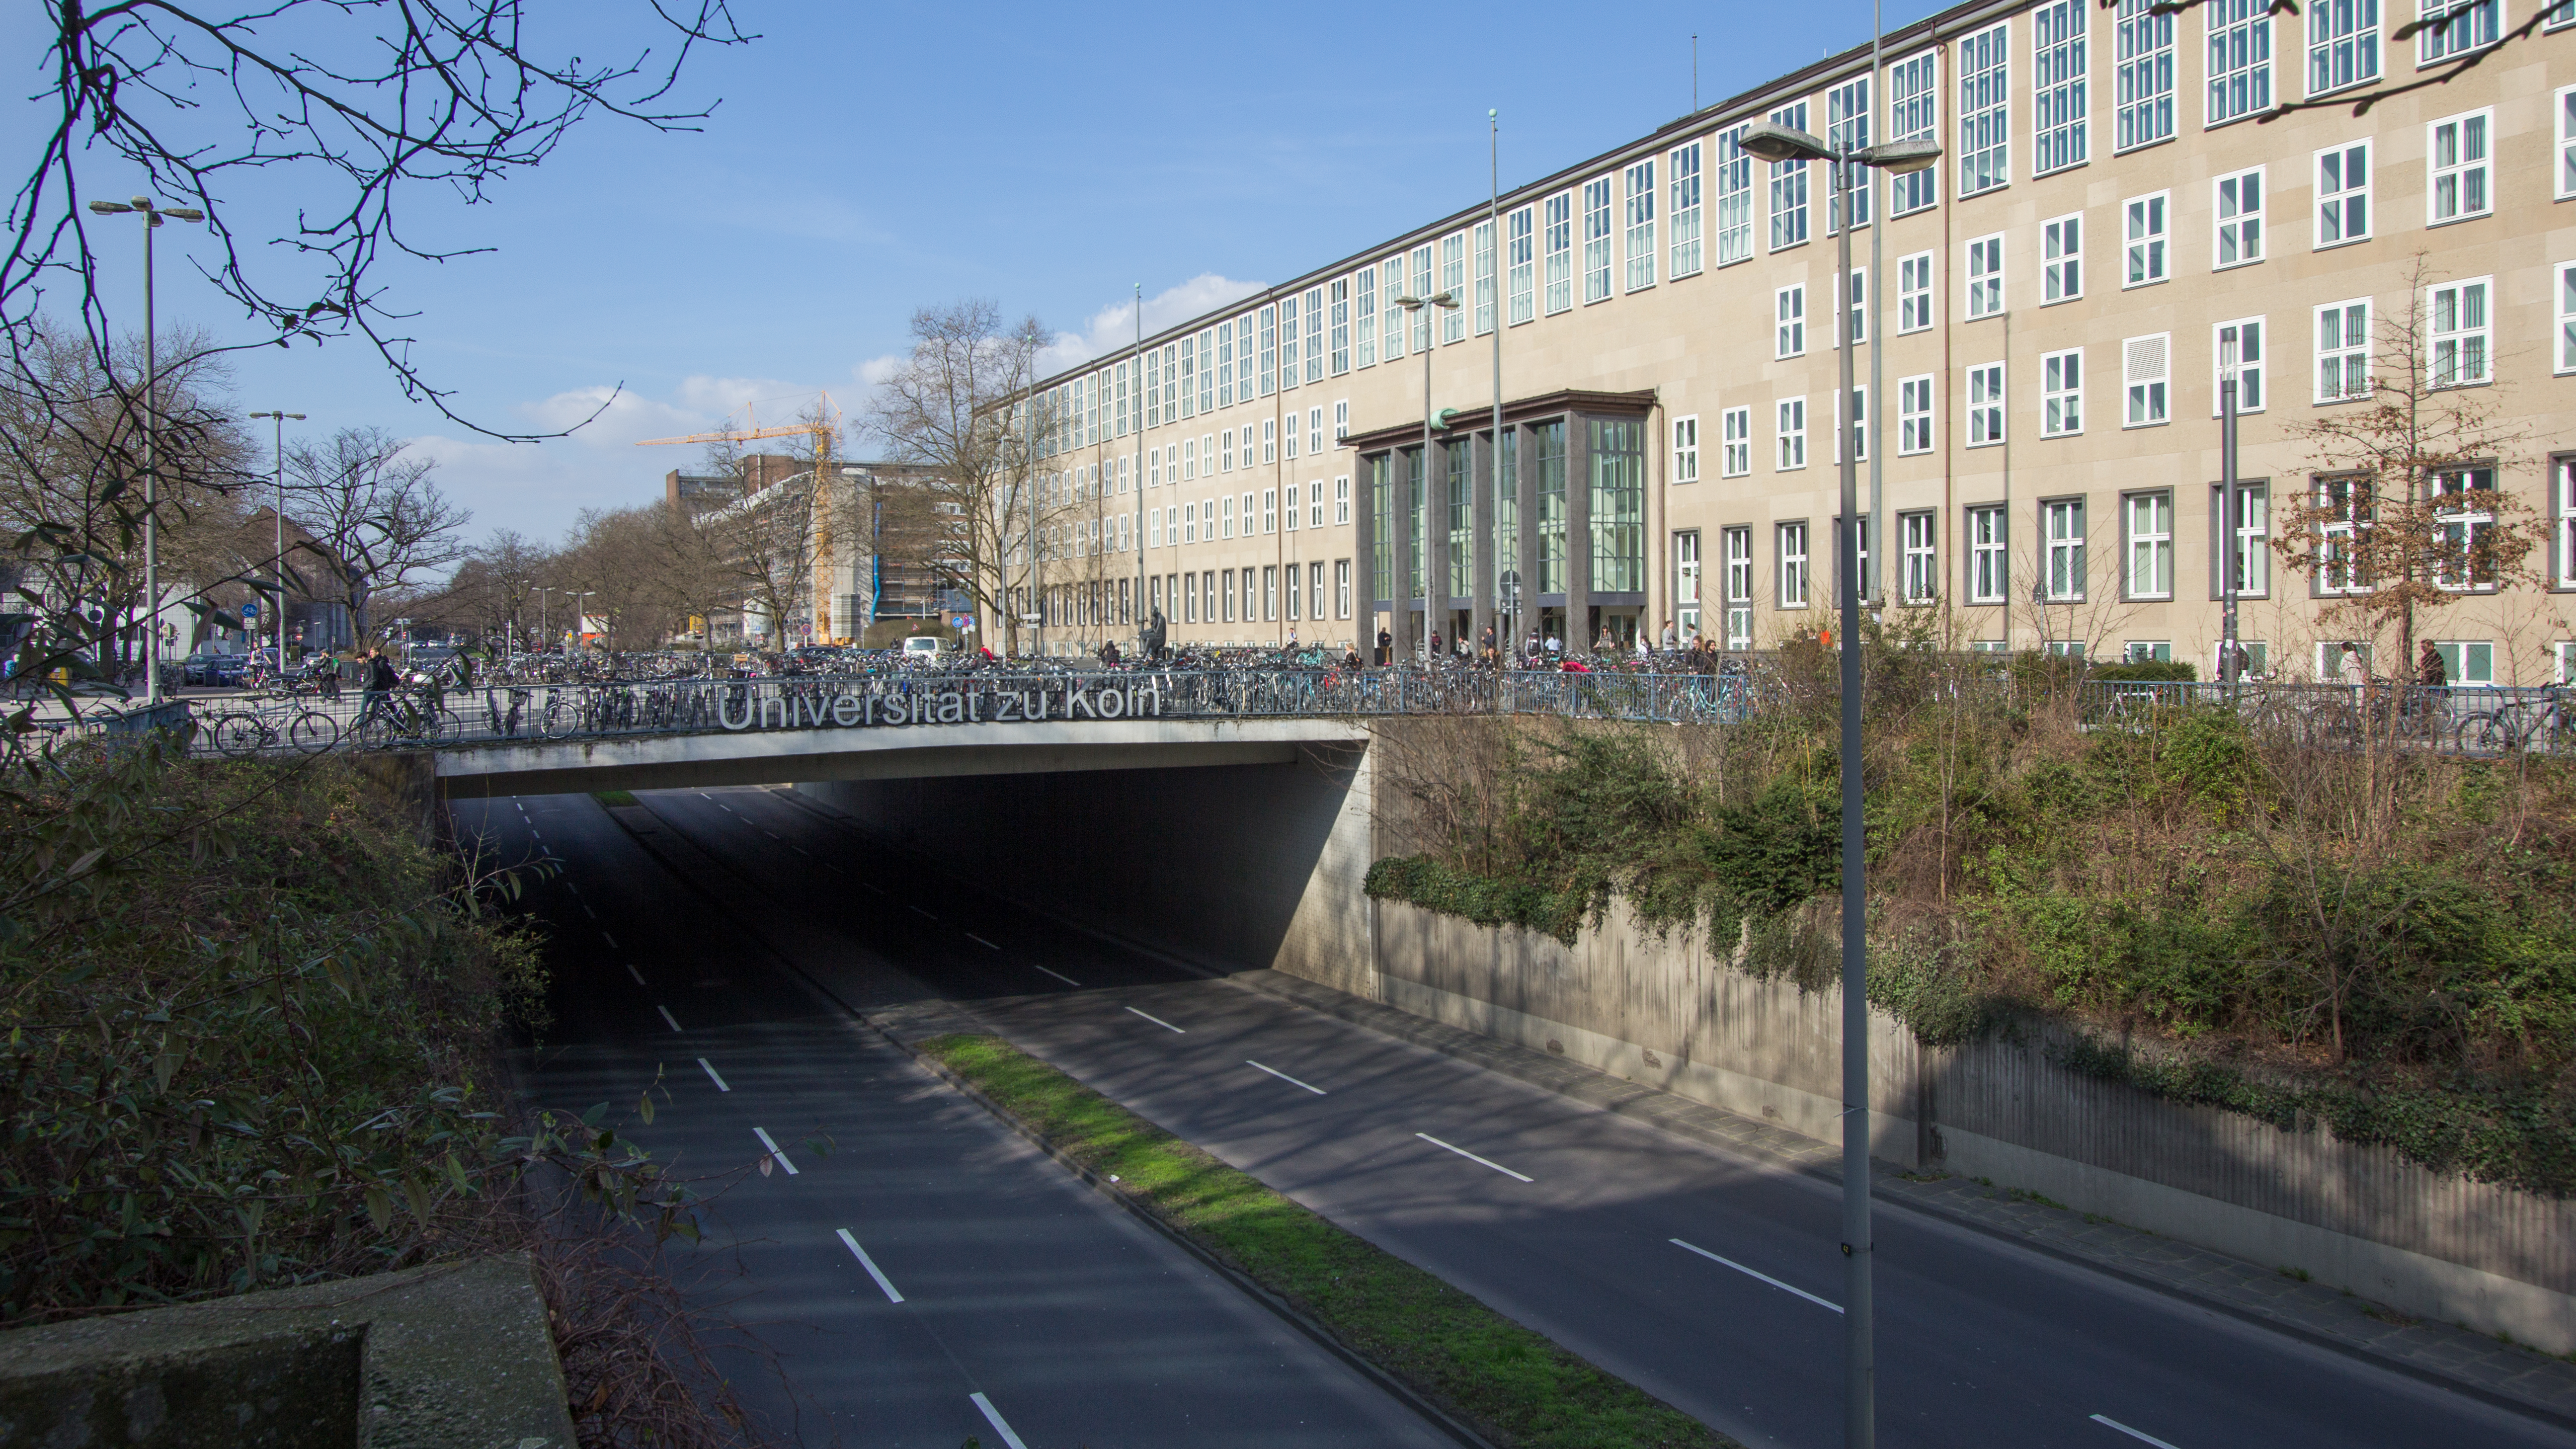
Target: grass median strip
x=1515 y=1386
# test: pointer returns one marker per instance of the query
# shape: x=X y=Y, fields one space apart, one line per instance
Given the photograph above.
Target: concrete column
x=1578 y=534
x=1481 y=464
x=1364 y=563
x=1435 y=537
x=1526 y=545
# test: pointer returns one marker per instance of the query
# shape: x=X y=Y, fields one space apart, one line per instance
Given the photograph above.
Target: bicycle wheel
x=239 y=735
x=313 y=731
x=374 y=731
x=2482 y=734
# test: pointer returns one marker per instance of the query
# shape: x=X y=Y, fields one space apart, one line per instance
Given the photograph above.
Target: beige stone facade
x=2052 y=303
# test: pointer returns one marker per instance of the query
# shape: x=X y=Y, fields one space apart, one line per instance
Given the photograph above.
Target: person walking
x=2356 y=674
x=1385 y=647
x=1672 y=639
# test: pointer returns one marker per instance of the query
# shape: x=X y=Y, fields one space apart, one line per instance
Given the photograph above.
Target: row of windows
x=1270 y=593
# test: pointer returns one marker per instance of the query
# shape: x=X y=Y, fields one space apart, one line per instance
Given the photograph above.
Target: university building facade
x=2113 y=225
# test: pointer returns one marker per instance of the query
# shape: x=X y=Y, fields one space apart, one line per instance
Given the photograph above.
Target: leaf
x=644 y=1108
x=380 y=1208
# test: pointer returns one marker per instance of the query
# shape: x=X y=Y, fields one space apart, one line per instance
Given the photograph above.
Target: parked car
x=925 y=647
x=216 y=670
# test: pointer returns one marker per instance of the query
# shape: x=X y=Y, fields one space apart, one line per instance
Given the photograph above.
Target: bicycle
x=2519 y=725
x=406 y=716
x=248 y=732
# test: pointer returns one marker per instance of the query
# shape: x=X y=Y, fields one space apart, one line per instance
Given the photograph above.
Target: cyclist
x=380 y=684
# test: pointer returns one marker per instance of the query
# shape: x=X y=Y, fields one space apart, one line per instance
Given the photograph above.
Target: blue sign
x=251 y=609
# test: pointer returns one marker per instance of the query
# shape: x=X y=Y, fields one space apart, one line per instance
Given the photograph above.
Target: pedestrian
x=1555 y=647
x=1435 y=643
x=2428 y=667
x=1351 y=658
x=1606 y=642
x=1385 y=647
x=2355 y=672
x=1485 y=642
x=1672 y=639
x=380 y=682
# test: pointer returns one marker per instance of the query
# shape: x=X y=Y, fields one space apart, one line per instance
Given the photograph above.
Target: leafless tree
x=376 y=520
x=761 y=547
x=949 y=408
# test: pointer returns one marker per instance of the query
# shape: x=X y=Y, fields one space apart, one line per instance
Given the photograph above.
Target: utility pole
x=279 y=568
x=152 y=216
x=2231 y=535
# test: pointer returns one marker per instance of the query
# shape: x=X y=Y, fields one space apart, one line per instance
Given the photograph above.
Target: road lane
x=1980 y=1343
x=1074 y=1322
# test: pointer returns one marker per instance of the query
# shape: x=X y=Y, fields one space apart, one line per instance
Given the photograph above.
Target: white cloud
x=1114 y=326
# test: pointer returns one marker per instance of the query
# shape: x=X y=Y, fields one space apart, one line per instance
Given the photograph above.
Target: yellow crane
x=822 y=427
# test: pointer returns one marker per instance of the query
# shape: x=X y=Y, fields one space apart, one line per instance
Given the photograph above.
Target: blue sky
x=865 y=161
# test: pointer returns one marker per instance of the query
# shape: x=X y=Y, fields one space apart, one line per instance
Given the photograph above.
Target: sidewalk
x=2506 y=1373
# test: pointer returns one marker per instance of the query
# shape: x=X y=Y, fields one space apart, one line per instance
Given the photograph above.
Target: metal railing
x=2473 y=719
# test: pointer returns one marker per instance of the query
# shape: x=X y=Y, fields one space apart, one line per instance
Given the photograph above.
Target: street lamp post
x=2231 y=534
x=578 y=620
x=1404 y=638
x=1775 y=143
x=279 y=567
x=151 y=428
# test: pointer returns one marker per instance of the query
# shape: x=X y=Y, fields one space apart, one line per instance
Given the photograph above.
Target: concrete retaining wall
x=1670 y=1012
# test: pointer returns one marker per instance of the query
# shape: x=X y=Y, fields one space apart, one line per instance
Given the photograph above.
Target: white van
x=925 y=646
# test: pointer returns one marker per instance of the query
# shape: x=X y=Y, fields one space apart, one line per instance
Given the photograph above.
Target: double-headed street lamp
x=1404 y=643
x=1776 y=143
x=151 y=426
x=279 y=603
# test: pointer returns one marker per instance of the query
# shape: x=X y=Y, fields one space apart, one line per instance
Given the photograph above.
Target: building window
x=1914 y=292
x=2061 y=258
x=2143 y=226
x=1289 y=438
x=1735 y=456
x=2467 y=662
x=2341 y=503
x=2566 y=290
x=1190 y=523
x=1560 y=252
x=1596 y=240
x=1520 y=238
x=1914 y=415
x=1269 y=510
x=2563 y=121
x=2562 y=501
x=1341 y=585
x=2151 y=544
x=2241 y=343
x=1294 y=595
x=1640 y=217
x=1153 y=528
x=2343 y=44
x=1225 y=365
x=1290 y=335
x=2343 y=195
x=2343 y=351
x=1342 y=502
x=2238 y=220
x=1422 y=288
x=2057 y=34
x=1920 y=579
x=1789 y=316
x=1855 y=423
x=1685 y=450
x=1793 y=434
x=2460 y=333
x=1364 y=316
x=1453 y=280
x=2144 y=69
x=1734 y=198
x=1315 y=503
x=1225 y=515
x=2061 y=393
x=1684 y=217
x=1793 y=565
x=1314 y=334
x=1315 y=591
x=1341 y=423
x=1738 y=583
x=2253 y=540
x=2462 y=531
x=1390 y=335
x=2144 y=364
x=2458 y=155
x=1789 y=186
x=1484 y=278
x=2062 y=524
x=1989 y=569
x=2453 y=28
x=1985 y=405
x=1314 y=430
x=1854 y=321
x=1269 y=441
x=2240 y=58
x=1226 y=436
x=1686 y=588
x=1847 y=129
x=1985 y=276
x=1983 y=106
x=1269 y=592
x=1618 y=465
x=1913 y=96
x=1189 y=459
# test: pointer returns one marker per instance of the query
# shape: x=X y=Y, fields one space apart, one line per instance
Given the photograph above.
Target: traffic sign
x=251 y=609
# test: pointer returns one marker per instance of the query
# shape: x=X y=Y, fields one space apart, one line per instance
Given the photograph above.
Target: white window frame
x=1985 y=269
x=2466 y=524
x=1857 y=313
x=1790 y=454
x=1682 y=216
x=2059 y=30
x=1342 y=503
x=1789 y=318
x=1857 y=423
x=1487 y=283
x=1850 y=126
x=2466 y=179
x=1791 y=184
x=2565 y=332
x=1989 y=530
x=1914 y=114
x=2143 y=75
x=1453 y=280
x=2343 y=211
x=2147 y=530
x=1599 y=244
x=2469 y=334
x=1557 y=251
x=2336 y=351
x=2061 y=259
x=2146 y=239
x=2469 y=26
x=2562 y=112
x=1795 y=562
x=1914 y=413
x=2236 y=219
x=1734 y=220
x=2562 y=504
x=1985 y=109
x=2343 y=45
x=2238 y=84
x=2146 y=391
x=1736 y=556
x=2252 y=393
x=1914 y=293
x=1735 y=443
x=2062 y=531
x=1918 y=535
x=1685 y=464
x=2061 y=393
x=1988 y=411
x=1637 y=237
x=1521 y=230
x=2335 y=565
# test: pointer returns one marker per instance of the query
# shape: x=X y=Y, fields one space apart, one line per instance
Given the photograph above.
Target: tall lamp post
x=2231 y=529
x=577 y=606
x=1775 y=143
x=1404 y=640
x=151 y=430
x=279 y=567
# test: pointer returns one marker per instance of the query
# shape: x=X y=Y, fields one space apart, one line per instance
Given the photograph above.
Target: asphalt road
x=1025 y=1299
x=1707 y=1279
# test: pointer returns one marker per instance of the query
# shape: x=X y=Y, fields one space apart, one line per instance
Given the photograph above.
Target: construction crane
x=822 y=428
